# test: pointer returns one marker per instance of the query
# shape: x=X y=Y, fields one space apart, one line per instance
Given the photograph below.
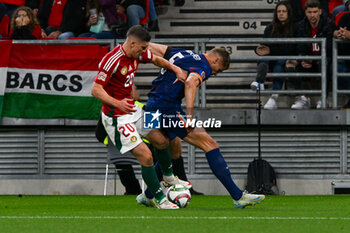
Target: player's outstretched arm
x=99 y=92
x=161 y=62
x=157 y=49
x=191 y=85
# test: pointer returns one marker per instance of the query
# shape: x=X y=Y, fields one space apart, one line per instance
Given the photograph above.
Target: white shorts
x=125 y=131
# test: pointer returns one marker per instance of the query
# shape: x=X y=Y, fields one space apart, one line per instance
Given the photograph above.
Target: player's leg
x=144 y=156
x=162 y=155
x=178 y=162
x=200 y=138
x=161 y=150
x=175 y=148
x=124 y=134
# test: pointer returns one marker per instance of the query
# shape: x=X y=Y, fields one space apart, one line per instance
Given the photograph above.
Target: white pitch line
x=175 y=218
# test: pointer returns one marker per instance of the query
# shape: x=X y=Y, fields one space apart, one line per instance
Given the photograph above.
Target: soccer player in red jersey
x=123 y=120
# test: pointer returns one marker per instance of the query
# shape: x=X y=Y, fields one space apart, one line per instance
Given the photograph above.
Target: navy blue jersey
x=166 y=88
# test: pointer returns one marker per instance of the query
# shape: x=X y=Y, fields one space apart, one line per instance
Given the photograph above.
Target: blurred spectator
x=167 y=2
x=153 y=18
x=104 y=21
x=12 y=5
x=333 y=4
x=134 y=10
x=315 y=25
x=34 y=5
x=24 y=25
x=341 y=8
x=298 y=8
x=62 y=19
x=281 y=27
x=4 y=22
x=179 y=2
x=344 y=49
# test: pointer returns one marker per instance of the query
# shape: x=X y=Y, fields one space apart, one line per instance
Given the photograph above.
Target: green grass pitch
x=214 y=214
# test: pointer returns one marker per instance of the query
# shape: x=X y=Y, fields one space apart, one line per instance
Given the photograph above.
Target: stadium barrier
x=199 y=45
x=336 y=75
x=44 y=150
x=322 y=75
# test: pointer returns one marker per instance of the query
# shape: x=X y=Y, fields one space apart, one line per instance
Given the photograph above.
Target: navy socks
x=219 y=167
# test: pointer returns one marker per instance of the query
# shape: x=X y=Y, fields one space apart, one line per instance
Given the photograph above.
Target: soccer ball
x=179 y=195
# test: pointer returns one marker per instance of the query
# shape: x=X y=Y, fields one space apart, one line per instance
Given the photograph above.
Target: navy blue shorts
x=173 y=118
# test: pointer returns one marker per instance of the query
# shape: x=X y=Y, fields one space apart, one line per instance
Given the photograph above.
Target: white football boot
x=248 y=200
x=166 y=205
x=172 y=180
x=143 y=200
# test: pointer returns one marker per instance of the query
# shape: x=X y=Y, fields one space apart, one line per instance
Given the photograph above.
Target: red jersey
x=116 y=75
x=14 y=2
x=315 y=46
x=56 y=14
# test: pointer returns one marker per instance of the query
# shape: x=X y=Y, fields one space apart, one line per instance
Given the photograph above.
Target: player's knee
x=161 y=143
x=147 y=160
x=209 y=144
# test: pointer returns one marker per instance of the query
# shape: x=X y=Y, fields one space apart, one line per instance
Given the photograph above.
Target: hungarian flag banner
x=5 y=48
x=52 y=81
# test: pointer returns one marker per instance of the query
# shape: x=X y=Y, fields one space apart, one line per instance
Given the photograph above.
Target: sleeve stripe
x=183 y=120
x=116 y=67
x=111 y=60
x=198 y=76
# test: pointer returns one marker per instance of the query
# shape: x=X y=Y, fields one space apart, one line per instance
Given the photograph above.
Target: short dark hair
x=222 y=52
x=312 y=4
x=139 y=32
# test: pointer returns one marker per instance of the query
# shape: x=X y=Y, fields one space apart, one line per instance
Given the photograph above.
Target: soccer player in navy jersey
x=166 y=97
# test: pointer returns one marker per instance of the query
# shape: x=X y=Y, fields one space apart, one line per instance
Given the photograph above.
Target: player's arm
x=135 y=92
x=161 y=62
x=99 y=92
x=157 y=49
x=191 y=84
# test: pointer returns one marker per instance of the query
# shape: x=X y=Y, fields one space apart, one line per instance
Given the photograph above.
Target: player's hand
x=181 y=74
x=125 y=106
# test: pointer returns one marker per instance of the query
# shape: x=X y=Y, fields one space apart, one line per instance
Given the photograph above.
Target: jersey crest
x=124 y=70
